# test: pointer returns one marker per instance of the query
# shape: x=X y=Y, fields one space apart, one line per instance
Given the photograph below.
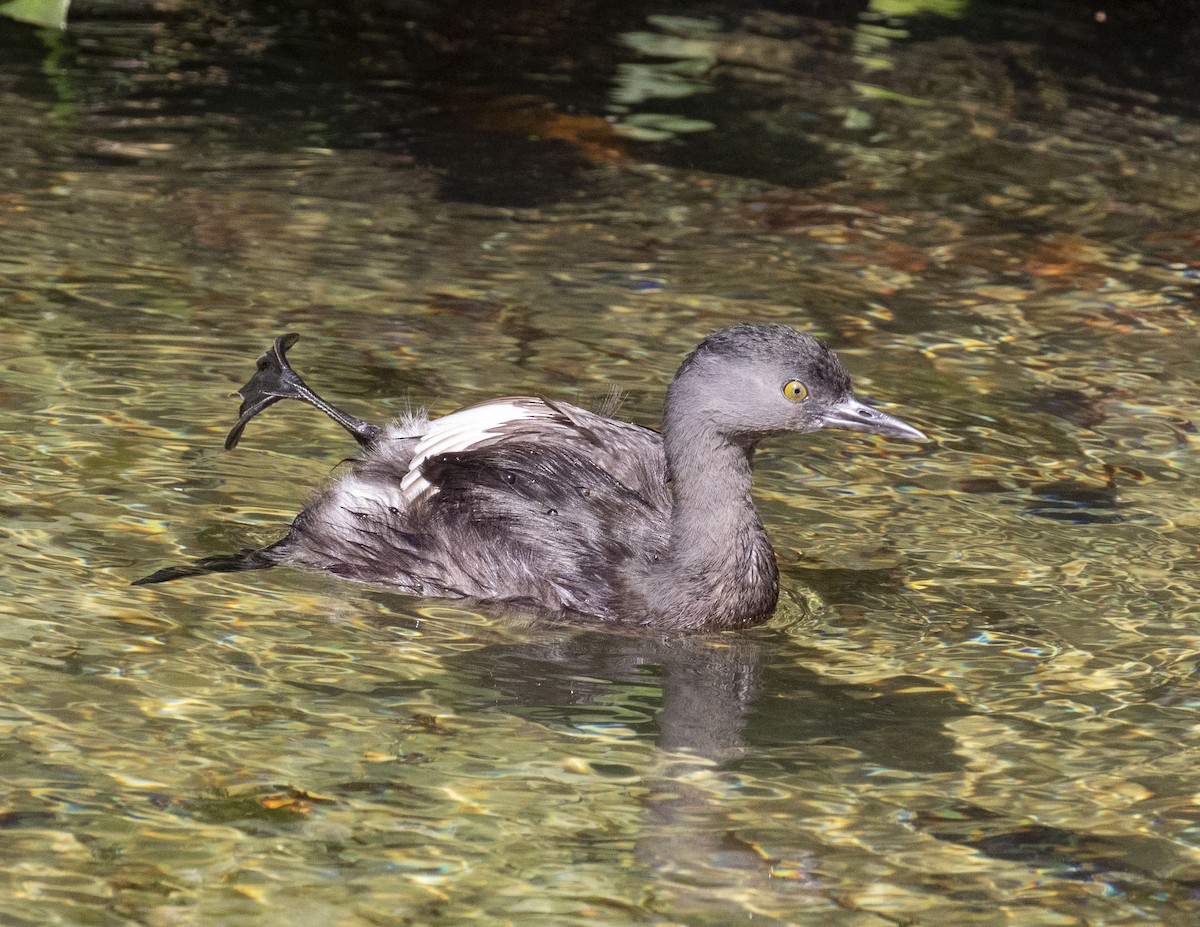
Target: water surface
x=976 y=704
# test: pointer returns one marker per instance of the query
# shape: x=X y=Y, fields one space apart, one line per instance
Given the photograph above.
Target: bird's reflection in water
x=727 y=704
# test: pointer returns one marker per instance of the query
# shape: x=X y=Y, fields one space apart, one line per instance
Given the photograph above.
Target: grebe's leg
x=275 y=380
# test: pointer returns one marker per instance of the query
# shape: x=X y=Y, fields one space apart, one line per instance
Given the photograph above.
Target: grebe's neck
x=720 y=570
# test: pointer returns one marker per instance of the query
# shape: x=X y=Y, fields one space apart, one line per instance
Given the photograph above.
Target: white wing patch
x=468 y=428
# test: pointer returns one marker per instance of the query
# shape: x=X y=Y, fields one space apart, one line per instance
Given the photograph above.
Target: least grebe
x=547 y=506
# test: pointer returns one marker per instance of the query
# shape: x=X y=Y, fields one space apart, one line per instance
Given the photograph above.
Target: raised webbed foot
x=275 y=380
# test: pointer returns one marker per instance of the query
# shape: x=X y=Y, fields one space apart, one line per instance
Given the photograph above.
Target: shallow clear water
x=976 y=704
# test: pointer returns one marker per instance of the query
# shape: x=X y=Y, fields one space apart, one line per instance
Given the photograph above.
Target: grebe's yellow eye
x=795 y=390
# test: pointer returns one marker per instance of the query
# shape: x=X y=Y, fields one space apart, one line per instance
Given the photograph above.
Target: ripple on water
x=976 y=703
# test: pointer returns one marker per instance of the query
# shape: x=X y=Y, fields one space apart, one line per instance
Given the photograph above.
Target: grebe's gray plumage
x=546 y=505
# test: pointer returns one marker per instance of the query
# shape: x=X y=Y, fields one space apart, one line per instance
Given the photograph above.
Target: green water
x=976 y=704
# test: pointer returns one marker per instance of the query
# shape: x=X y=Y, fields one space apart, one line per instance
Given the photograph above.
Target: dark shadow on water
x=506 y=104
x=1131 y=865
x=1149 y=46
